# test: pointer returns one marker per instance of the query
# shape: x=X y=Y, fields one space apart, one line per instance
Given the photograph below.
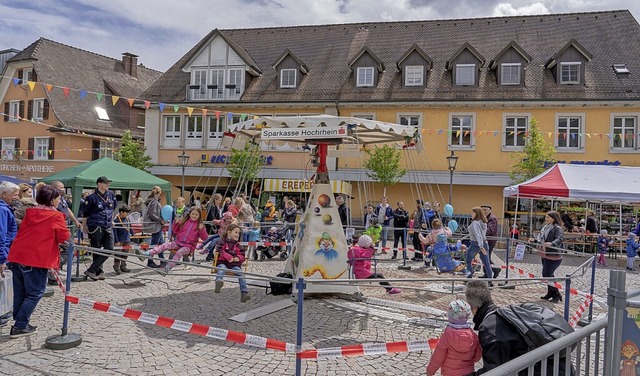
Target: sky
x=162 y=31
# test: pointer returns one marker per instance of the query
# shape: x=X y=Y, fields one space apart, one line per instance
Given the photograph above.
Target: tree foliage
x=536 y=153
x=384 y=167
x=132 y=153
x=245 y=163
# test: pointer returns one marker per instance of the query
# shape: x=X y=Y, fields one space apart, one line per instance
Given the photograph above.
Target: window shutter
x=21 y=112
x=30 y=109
x=52 y=144
x=45 y=110
x=30 y=150
x=95 y=150
x=20 y=73
x=6 y=111
x=17 y=144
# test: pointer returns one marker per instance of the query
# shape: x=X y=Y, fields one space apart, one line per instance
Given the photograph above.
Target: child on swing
x=208 y=245
x=360 y=258
x=231 y=256
x=186 y=232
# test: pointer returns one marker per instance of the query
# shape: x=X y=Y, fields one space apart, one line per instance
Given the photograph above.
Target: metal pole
x=617 y=302
x=65 y=319
x=300 y=289
x=450 y=185
x=182 y=189
x=567 y=294
x=593 y=287
x=507 y=258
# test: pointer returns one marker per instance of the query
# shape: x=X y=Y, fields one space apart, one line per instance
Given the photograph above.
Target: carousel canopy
x=582 y=182
x=289 y=129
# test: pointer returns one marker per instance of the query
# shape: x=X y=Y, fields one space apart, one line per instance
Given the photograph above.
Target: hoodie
x=152 y=221
x=8 y=230
x=36 y=244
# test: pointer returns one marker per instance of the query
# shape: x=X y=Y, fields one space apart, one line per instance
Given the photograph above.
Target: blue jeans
x=156 y=239
x=29 y=284
x=473 y=250
x=222 y=270
x=384 y=235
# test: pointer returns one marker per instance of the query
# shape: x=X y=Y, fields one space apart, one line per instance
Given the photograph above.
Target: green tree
x=244 y=164
x=536 y=153
x=384 y=167
x=131 y=153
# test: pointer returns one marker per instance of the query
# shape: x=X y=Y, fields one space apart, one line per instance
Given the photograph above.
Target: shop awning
x=302 y=185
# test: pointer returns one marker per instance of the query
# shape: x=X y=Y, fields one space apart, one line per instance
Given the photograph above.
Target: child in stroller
x=274 y=235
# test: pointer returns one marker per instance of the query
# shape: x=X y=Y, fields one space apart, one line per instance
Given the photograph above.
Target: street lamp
x=183 y=160
x=452 y=160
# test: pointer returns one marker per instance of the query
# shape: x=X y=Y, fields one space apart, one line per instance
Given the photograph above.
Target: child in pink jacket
x=186 y=232
x=360 y=260
x=459 y=347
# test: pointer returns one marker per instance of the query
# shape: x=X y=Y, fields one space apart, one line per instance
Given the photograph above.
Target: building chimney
x=130 y=64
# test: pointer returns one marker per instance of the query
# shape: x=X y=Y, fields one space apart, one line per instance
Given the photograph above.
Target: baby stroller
x=275 y=235
x=442 y=254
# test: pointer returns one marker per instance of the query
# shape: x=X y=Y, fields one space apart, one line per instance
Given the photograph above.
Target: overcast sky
x=161 y=31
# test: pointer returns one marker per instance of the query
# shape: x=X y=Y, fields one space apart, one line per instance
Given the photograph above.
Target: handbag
x=6 y=293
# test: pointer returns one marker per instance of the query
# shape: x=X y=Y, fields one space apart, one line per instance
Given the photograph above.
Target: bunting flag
x=16 y=82
x=204 y=111
x=99 y=96
x=457 y=134
x=229 y=117
x=130 y=100
x=114 y=99
x=217 y=115
x=431 y=131
x=48 y=87
x=31 y=85
x=189 y=110
x=161 y=106
x=66 y=91
x=147 y=104
x=440 y=131
x=243 y=117
x=83 y=94
x=176 y=108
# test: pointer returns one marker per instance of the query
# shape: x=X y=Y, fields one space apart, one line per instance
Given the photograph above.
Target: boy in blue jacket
x=632 y=251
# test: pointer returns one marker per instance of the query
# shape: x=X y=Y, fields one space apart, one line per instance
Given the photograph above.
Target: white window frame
x=291 y=80
x=460 y=68
x=194 y=127
x=506 y=71
x=236 y=92
x=506 y=130
x=215 y=127
x=14 y=111
x=37 y=111
x=568 y=65
x=199 y=77
x=40 y=148
x=102 y=113
x=217 y=78
x=107 y=148
x=8 y=148
x=633 y=148
x=364 y=115
x=414 y=75
x=411 y=119
x=365 y=77
x=568 y=139
x=460 y=145
x=27 y=75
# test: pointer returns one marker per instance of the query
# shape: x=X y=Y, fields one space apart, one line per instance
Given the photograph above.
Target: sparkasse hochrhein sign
x=308 y=132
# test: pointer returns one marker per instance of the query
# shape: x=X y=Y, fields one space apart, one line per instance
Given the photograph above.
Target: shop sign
x=605 y=162
x=306 y=132
x=224 y=159
x=27 y=168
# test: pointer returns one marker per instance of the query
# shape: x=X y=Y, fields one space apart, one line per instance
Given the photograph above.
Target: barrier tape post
x=78 y=277
x=567 y=296
x=65 y=340
x=592 y=289
x=300 y=289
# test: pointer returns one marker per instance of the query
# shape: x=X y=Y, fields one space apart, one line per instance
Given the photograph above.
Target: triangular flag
x=31 y=85
x=130 y=100
x=243 y=117
x=50 y=151
x=176 y=108
x=66 y=91
x=600 y=135
x=422 y=131
x=189 y=110
x=440 y=131
x=511 y=133
x=588 y=135
x=114 y=99
x=466 y=133
x=161 y=106
x=431 y=131
x=48 y=87
x=457 y=133
x=255 y=117
x=217 y=115
x=526 y=134
x=16 y=81
x=99 y=96
x=204 y=111
x=495 y=133
x=229 y=117
x=549 y=134
x=475 y=133
x=83 y=94
x=147 y=104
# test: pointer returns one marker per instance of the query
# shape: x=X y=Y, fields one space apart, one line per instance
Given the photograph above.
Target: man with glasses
x=98 y=211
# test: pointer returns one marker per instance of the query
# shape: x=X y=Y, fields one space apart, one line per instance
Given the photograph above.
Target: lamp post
x=452 y=160
x=183 y=160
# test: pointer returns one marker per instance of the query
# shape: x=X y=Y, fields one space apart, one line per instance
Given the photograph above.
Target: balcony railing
x=214 y=92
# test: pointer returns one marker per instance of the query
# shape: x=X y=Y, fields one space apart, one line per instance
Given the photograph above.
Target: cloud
x=507 y=9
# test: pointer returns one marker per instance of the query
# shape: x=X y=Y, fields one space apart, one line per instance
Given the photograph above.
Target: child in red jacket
x=231 y=256
x=459 y=347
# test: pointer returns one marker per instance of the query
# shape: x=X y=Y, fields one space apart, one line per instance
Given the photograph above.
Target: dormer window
x=27 y=75
x=510 y=73
x=621 y=69
x=465 y=74
x=414 y=75
x=570 y=73
x=288 y=78
x=365 y=77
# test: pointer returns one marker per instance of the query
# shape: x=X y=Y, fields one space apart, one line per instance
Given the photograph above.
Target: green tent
x=124 y=177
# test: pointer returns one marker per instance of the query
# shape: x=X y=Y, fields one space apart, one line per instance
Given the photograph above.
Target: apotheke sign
x=308 y=132
x=27 y=168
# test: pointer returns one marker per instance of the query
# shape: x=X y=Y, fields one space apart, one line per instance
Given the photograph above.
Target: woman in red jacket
x=33 y=252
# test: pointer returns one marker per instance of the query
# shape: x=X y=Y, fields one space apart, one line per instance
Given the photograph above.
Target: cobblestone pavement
x=118 y=346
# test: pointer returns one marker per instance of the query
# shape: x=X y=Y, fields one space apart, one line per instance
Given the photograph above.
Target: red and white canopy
x=582 y=182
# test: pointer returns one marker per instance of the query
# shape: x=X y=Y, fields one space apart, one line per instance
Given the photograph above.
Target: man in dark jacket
x=343 y=211
x=500 y=340
x=492 y=233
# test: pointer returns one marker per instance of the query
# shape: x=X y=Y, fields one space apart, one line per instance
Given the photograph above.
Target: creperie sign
x=295 y=185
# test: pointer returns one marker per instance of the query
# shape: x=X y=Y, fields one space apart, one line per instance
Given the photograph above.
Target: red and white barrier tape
x=581 y=310
x=266 y=244
x=57 y=277
x=183 y=326
x=369 y=349
x=531 y=275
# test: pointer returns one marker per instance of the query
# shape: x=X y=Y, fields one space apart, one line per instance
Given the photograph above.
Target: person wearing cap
x=459 y=348
x=360 y=260
x=97 y=210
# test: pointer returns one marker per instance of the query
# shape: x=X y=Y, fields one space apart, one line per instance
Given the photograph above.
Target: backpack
x=537 y=324
x=281 y=288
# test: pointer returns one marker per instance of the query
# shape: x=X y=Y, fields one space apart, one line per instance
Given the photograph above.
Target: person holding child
x=437 y=228
x=186 y=233
x=632 y=251
x=459 y=346
x=231 y=256
x=360 y=259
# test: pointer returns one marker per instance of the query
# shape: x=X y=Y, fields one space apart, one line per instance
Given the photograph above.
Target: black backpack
x=537 y=324
x=281 y=288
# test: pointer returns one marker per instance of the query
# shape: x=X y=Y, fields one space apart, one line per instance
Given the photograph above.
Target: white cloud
x=507 y=9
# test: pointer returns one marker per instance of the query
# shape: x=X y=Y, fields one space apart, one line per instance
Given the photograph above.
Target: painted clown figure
x=325 y=245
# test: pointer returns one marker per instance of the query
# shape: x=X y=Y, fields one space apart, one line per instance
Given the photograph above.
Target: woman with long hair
x=550 y=239
x=479 y=245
